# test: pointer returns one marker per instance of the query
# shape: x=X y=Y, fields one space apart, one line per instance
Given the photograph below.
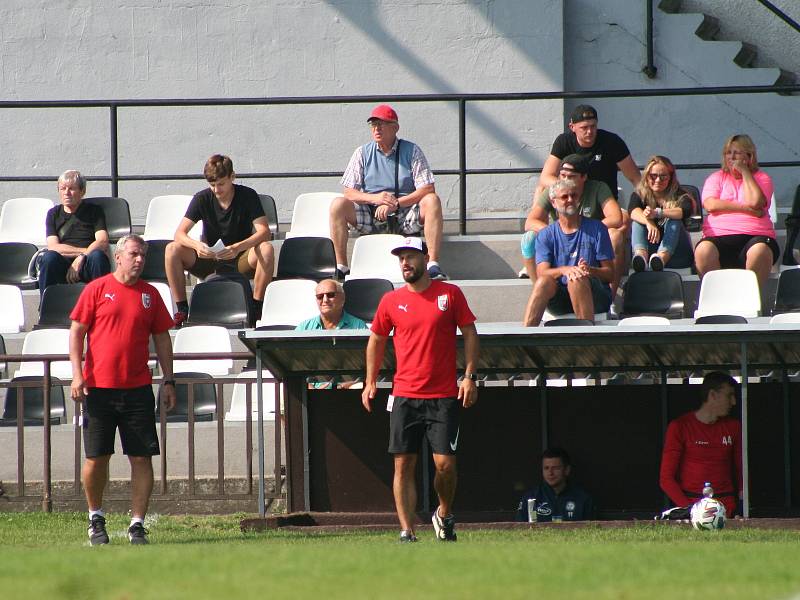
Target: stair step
x=708 y=28
x=746 y=56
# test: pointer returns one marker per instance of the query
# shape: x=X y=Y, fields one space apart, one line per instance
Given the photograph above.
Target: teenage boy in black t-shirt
x=231 y=214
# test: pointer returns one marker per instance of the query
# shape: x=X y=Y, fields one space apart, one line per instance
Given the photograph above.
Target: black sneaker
x=444 y=528
x=97 y=531
x=656 y=263
x=407 y=536
x=137 y=534
x=436 y=273
x=638 y=264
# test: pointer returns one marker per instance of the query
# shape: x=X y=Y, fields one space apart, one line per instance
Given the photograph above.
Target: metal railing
x=461 y=100
x=163 y=491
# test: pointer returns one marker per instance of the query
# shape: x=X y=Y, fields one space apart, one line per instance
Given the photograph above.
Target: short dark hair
x=218 y=166
x=716 y=380
x=555 y=452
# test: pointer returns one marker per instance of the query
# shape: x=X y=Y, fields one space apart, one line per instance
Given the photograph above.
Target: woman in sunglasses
x=658 y=208
x=738 y=232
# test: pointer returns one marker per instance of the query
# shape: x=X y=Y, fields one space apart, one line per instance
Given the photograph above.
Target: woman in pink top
x=737 y=232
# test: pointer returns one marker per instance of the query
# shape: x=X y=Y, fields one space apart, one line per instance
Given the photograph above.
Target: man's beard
x=413 y=275
x=569 y=211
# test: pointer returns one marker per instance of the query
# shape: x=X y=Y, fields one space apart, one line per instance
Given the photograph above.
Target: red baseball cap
x=384 y=112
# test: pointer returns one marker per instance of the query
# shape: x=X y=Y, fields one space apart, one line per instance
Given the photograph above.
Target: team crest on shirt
x=145 y=300
x=442 y=302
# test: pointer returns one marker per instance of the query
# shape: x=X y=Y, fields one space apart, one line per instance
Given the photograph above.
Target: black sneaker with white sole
x=444 y=527
x=137 y=534
x=407 y=536
x=97 y=531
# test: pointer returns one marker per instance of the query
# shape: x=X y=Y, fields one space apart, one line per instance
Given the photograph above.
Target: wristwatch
x=168 y=382
x=472 y=376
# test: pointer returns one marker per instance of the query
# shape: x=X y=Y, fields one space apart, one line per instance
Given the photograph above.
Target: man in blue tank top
x=574 y=262
x=388 y=188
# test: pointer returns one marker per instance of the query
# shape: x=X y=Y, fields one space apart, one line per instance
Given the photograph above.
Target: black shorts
x=561 y=303
x=733 y=248
x=412 y=418
x=132 y=410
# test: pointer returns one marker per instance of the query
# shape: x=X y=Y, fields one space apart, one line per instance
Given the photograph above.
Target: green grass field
x=48 y=557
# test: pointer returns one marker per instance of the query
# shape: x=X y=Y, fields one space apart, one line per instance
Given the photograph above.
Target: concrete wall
x=88 y=49
x=605 y=48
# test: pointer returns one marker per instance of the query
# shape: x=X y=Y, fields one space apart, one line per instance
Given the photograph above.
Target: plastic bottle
x=708 y=491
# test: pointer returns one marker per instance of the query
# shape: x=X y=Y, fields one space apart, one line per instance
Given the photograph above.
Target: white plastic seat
x=238 y=410
x=12 y=317
x=729 y=292
x=643 y=321
x=311 y=215
x=373 y=258
x=201 y=339
x=164 y=214
x=166 y=295
x=46 y=341
x=23 y=220
x=289 y=302
x=792 y=317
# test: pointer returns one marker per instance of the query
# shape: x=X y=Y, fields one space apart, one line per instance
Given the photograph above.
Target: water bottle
x=533 y=516
x=708 y=491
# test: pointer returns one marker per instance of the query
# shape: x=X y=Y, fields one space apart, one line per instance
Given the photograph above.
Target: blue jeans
x=674 y=240
x=53 y=268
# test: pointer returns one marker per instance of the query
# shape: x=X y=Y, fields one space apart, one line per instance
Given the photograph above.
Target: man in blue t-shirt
x=574 y=262
x=388 y=188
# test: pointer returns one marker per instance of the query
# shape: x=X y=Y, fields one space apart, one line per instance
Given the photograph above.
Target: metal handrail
x=461 y=99
x=780 y=14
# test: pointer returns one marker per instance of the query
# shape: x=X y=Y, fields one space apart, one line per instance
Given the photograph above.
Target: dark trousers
x=53 y=268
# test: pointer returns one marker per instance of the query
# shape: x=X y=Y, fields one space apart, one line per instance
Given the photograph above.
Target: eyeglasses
x=736 y=153
x=328 y=295
x=376 y=123
x=659 y=176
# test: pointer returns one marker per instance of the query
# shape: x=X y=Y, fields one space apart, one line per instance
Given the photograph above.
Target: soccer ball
x=708 y=514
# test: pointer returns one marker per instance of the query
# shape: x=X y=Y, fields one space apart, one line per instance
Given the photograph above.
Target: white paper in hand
x=218 y=247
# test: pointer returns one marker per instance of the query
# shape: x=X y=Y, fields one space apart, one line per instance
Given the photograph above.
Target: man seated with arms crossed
x=77 y=240
x=705 y=445
x=574 y=262
x=387 y=180
x=233 y=214
x=596 y=202
x=332 y=315
x=557 y=498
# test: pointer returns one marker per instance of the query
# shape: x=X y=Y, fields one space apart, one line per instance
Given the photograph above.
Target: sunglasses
x=659 y=177
x=328 y=295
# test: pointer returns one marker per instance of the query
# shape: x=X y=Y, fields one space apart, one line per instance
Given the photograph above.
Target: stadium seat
x=238 y=411
x=23 y=220
x=695 y=220
x=307 y=258
x=288 y=302
x=268 y=204
x=205 y=399
x=3 y=365
x=220 y=301
x=643 y=321
x=372 y=258
x=567 y=322
x=653 y=293
x=57 y=303
x=362 y=296
x=32 y=403
x=720 y=320
x=729 y=292
x=12 y=317
x=787 y=296
x=164 y=213
x=166 y=295
x=203 y=339
x=785 y=318
x=46 y=341
x=15 y=259
x=311 y=215
x=117 y=213
x=154 y=266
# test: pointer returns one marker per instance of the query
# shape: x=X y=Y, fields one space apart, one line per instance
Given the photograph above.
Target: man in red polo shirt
x=425 y=402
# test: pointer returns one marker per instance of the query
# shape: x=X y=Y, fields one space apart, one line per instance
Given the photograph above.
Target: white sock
x=136 y=520
x=433 y=263
x=343 y=268
x=98 y=512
